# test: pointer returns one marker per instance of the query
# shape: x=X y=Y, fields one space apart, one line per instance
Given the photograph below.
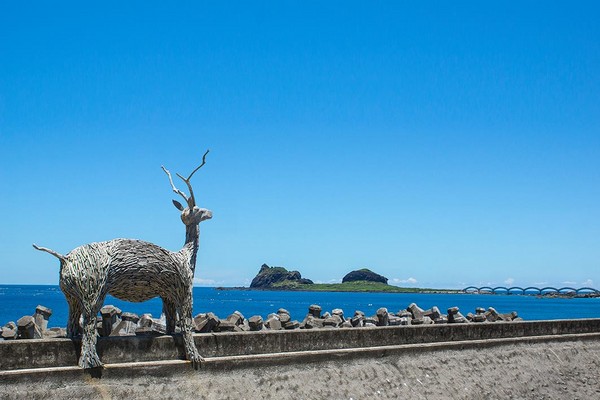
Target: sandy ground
x=550 y=370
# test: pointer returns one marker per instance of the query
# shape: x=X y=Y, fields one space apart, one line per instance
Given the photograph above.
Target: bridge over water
x=530 y=290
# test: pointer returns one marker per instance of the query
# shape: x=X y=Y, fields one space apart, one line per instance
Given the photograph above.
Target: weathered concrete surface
x=21 y=354
x=548 y=367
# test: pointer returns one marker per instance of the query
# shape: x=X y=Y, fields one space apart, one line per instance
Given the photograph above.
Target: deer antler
x=179 y=192
x=191 y=201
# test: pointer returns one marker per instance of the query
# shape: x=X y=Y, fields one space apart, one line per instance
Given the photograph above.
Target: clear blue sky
x=441 y=145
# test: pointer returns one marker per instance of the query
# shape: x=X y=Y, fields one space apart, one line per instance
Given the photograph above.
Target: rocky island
x=361 y=280
x=277 y=278
x=365 y=275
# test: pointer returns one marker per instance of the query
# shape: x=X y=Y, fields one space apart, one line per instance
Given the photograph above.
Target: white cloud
x=509 y=281
x=329 y=281
x=569 y=283
x=204 y=282
x=540 y=283
x=588 y=282
x=410 y=281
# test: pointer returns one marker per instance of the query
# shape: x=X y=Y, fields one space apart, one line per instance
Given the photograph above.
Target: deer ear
x=178 y=205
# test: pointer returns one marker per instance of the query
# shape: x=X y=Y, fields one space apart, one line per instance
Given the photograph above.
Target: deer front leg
x=185 y=317
x=170 y=312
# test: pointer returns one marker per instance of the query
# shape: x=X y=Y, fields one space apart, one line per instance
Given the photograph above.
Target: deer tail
x=55 y=254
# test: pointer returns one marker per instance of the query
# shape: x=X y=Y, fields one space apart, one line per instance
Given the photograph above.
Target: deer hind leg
x=89 y=356
x=170 y=312
x=73 y=327
x=185 y=318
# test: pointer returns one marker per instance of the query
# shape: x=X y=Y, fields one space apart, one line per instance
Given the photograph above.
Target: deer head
x=191 y=215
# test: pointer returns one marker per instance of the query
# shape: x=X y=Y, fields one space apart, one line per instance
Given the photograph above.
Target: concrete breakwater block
x=112 y=321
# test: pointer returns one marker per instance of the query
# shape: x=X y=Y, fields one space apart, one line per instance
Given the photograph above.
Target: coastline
x=341 y=287
x=312 y=288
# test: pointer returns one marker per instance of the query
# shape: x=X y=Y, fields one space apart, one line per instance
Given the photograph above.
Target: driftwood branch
x=179 y=192
x=55 y=254
x=192 y=200
x=199 y=166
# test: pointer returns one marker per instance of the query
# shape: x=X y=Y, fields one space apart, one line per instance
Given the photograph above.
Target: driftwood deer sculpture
x=134 y=270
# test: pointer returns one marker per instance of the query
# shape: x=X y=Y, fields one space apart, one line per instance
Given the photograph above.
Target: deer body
x=130 y=270
x=133 y=270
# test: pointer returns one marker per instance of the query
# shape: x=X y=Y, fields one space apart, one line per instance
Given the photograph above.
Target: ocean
x=19 y=300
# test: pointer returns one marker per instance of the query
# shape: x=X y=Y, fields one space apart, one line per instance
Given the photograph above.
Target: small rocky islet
x=114 y=322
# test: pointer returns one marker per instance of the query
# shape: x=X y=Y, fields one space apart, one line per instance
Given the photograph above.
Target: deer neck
x=192 y=238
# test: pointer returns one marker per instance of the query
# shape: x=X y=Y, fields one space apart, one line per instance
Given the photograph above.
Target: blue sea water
x=19 y=300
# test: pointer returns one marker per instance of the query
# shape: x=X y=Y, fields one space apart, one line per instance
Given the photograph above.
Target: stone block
x=226 y=326
x=41 y=316
x=127 y=326
x=204 y=323
x=255 y=323
x=111 y=316
x=311 y=322
x=346 y=324
x=333 y=321
x=291 y=325
x=479 y=318
x=145 y=320
x=273 y=323
x=9 y=333
x=433 y=313
x=55 y=333
x=28 y=329
x=159 y=326
x=357 y=320
x=508 y=316
x=10 y=325
x=455 y=317
x=315 y=310
x=453 y=310
x=492 y=315
x=237 y=318
x=245 y=326
x=383 y=317
x=339 y=312
x=284 y=318
x=416 y=311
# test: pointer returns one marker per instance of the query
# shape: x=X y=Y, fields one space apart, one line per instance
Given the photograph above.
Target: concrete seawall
x=303 y=363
